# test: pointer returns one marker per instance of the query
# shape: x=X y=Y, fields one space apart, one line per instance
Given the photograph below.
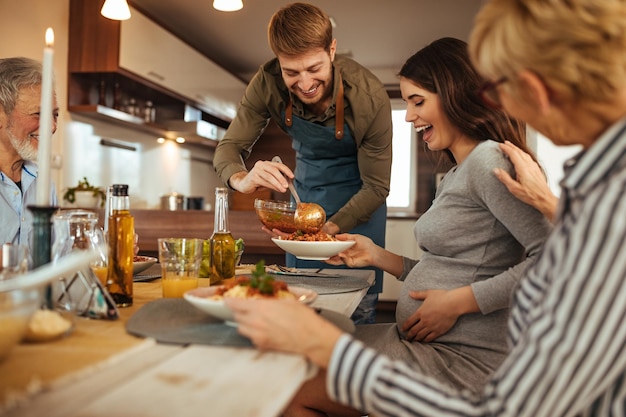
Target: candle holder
x=42 y=241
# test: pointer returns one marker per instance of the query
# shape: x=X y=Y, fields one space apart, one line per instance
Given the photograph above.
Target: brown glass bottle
x=222 y=241
x=121 y=234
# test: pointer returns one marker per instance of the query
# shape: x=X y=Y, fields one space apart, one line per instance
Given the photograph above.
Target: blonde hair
x=578 y=47
x=298 y=28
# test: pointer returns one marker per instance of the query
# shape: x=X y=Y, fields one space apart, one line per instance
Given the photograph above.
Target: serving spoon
x=309 y=217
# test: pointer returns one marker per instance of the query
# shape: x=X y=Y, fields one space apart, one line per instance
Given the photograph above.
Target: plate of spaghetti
x=211 y=299
x=312 y=246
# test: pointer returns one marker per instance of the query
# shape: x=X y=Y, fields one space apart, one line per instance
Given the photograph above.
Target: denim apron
x=327 y=173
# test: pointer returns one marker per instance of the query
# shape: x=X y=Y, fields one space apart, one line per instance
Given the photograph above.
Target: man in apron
x=339 y=117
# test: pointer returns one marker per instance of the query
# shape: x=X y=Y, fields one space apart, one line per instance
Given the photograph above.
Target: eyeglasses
x=489 y=94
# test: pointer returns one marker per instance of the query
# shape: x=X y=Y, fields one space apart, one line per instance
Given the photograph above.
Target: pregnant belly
x=405 y=306
x=431 y=273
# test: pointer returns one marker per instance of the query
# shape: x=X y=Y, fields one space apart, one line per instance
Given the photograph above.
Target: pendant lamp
x=227 y=5
x=115 y=10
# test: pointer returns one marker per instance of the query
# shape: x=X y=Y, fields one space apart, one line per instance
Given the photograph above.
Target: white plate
x=144 y=263
x=217 y=308
x=314 y=251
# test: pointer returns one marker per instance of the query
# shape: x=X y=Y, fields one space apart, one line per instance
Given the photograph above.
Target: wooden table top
x=101 y=370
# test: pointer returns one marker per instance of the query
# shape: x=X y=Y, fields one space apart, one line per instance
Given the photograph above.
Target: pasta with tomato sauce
x=243 y=287
x=310 y=237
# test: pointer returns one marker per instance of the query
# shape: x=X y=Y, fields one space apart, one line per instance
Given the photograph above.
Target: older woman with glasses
x=565 y=66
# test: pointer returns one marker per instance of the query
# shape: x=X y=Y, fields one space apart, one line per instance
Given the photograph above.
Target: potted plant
x=85 y=194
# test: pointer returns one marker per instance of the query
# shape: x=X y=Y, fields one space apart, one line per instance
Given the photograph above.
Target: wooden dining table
x=102 y=370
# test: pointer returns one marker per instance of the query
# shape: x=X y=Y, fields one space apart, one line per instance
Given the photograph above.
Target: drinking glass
x=77 y=230
x=180 y=264
x=13 y=260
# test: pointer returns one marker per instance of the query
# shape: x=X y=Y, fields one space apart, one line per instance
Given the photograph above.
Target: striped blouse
x=567 y=328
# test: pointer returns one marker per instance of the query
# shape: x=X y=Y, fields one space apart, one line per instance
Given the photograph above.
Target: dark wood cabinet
x=98 y=87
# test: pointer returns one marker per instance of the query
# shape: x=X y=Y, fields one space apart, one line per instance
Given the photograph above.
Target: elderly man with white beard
x=20 y=101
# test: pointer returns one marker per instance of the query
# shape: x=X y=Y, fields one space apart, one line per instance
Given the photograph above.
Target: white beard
x=23 y=147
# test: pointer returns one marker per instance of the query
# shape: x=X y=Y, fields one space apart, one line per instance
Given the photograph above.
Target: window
x=403 y=190
x=551 y=157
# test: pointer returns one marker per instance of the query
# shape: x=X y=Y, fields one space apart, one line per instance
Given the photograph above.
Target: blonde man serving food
x=338 y=115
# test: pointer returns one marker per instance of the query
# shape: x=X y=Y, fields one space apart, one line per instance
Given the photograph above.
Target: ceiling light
x=227 y=5
x=161 y=140
x=115 y=10
x=180 y=139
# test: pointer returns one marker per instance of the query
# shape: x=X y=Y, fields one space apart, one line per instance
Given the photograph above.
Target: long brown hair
x=444 y=68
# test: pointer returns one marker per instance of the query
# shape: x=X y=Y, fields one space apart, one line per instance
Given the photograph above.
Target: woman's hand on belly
x=437 y=314
x=439 y=311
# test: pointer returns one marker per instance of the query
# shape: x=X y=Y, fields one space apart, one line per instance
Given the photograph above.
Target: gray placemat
x=174 y=320
x=150 y=274
x=326 y=285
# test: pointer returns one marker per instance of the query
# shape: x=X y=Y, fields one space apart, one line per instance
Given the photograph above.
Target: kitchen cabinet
x=177 y=67
x=113 y=63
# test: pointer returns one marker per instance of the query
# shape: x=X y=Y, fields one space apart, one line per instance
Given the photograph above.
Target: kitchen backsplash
x=108 y=154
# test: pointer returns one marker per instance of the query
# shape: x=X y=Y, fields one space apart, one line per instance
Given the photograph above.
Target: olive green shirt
x=367 y=113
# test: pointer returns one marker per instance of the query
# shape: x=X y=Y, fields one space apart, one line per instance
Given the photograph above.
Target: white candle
x=45 y=124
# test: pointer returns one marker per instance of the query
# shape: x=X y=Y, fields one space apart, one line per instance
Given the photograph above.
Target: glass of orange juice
x=180 y=265
x=101 y=270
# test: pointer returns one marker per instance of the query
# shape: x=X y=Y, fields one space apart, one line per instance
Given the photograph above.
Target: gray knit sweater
x=475 y=233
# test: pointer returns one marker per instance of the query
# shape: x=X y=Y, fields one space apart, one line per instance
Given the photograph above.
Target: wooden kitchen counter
x=153 y=224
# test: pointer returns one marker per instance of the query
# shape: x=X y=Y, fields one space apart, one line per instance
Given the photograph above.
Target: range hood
x=200 y=128
x=193 y=128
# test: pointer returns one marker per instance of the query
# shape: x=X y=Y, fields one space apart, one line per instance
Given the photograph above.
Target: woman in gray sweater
x=476 y=237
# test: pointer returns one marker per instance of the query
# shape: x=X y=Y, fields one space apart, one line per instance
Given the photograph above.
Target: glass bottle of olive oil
x=222 y=241
x=121 y=234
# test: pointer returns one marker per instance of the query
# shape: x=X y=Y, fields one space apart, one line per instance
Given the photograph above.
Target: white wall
x=552 y=158
x=151 y=171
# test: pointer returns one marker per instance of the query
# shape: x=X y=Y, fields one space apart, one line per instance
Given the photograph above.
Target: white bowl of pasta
x=141 y=263
x=313 y=250
x=211 y=299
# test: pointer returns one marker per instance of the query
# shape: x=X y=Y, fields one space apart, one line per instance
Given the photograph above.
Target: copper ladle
x=309 y=217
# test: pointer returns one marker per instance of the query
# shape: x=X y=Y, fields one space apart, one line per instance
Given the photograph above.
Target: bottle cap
x=120 y=190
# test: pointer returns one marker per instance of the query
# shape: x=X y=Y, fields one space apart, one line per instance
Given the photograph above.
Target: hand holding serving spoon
x=309 y=217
